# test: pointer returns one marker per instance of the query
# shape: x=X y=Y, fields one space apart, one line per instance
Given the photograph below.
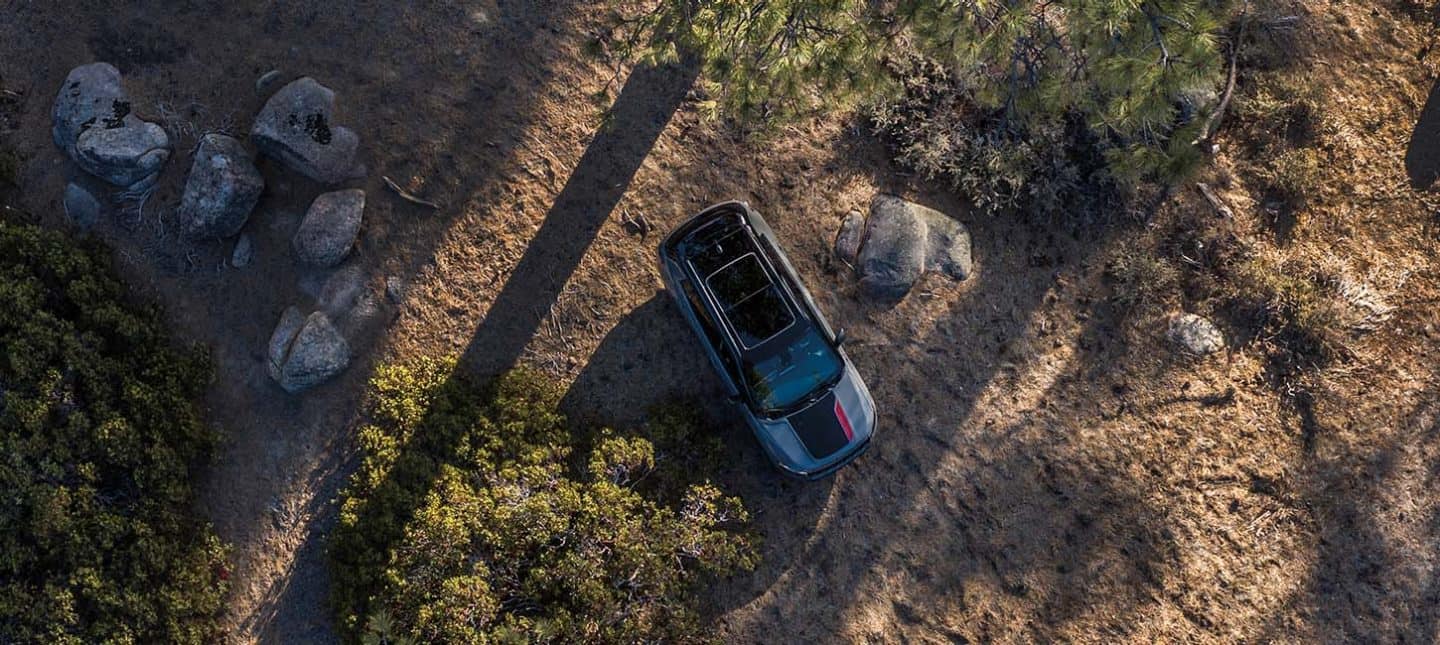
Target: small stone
x=330 y=227
x=1195 y=334
x=395 y=289
x=130 y=155
x=222 y=189
x=306 y=352
x=847 y=242
x=265 y=81
x=244 y=252
x=81 y=207
x=297 y=126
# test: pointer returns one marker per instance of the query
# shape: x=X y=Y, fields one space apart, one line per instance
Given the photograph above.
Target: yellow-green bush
x=476 y=517
x=99 y=436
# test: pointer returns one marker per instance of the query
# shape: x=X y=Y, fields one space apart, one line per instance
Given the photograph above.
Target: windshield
x=792 y=373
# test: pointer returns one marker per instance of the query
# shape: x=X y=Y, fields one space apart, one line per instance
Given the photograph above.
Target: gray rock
x=852 y=233
x=222 y=189
x=92 y=96
x=330 y=227
x=131 y=155
x=280 y=340
x=81 y=207
x=949 y=243
x=902 y=240
x=244 y=252
x=894 y=254
x=1195 y=334
x=297 y=127
x=305 y=352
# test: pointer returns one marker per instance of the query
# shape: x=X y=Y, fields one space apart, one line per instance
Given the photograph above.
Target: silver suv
x=783 y=366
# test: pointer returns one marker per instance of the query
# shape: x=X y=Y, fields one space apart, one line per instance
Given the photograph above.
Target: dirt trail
x=1046 y=468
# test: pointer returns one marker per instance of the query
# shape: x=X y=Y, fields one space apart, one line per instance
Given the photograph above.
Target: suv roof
x=740 y=282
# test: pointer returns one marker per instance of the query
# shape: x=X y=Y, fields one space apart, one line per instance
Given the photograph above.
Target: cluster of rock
x=95 y=125
x=898 y=243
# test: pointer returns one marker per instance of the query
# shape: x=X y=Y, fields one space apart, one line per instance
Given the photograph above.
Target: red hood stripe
x=844 y=421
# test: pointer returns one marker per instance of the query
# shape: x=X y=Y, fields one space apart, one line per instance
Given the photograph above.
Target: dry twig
x=409 y=196
x=1215 y=202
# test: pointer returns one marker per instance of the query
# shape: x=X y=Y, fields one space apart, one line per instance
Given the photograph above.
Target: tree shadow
x=969 y=501
x=1422 y=156
x=652 y=358
x=632 y=125
x=1376 y=577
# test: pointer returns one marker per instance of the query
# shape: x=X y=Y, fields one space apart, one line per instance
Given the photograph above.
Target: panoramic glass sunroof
x=750 y=300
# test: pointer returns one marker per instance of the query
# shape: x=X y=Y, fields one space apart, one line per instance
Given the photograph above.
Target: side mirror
x=840 y=337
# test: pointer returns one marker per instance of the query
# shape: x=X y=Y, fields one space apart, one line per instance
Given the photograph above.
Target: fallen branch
x=409 y=196
x=1220 y=208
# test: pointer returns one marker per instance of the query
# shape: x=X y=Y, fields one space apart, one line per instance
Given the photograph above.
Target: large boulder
x=223 y=187
x=901 y=241
x=1195 y=334
x=893 y=257
x=305 y=351
x=297 y=127
x=128 y=156
x=91 y=96
x=949 y=244
x=330 y=227
x=93 y=123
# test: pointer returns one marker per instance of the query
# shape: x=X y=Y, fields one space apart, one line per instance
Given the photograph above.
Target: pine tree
x=1128 y=68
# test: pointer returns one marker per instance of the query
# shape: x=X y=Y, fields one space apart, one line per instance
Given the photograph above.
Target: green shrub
x=472 y=519
x=100 y=437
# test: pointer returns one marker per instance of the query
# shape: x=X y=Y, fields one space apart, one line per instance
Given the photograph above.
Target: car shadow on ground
x=652 y=358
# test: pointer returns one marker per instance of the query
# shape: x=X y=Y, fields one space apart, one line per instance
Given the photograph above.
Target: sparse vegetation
x=1141 y=278
x=1292 y=302
x=476 y=517
x=100 y=437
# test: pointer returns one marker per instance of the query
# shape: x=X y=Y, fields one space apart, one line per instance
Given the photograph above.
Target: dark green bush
x=99 y=435
x=472 y=519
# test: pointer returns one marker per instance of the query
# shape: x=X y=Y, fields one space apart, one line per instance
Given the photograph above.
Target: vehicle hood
x=821 y=432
